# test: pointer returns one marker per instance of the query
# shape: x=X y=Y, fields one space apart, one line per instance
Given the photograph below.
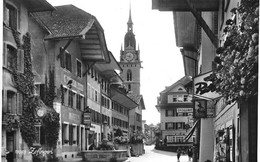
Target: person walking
x=178 y=154
x=190 y=153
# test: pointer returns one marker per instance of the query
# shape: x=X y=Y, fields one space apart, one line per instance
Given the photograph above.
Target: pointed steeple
x=130 y=22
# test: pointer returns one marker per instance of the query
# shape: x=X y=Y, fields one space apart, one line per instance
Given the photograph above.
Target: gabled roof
x=66 y=21
x=38 y=5
x=138 y=99
x=70 y=22
x=183 y=81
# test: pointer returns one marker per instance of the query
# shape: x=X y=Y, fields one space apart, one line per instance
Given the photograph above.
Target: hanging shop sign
x=200 y=108
x=87 y=119
x=202 y=88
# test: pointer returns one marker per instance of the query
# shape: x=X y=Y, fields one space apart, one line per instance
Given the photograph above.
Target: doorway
x=10 y=146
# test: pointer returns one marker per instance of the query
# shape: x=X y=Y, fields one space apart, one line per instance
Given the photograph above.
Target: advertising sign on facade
x=184 y=110
x=202 y=88
x=200 y=108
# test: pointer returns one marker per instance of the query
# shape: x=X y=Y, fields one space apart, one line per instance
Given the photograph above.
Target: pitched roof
x=184 y=80
x=137 y=98
x=66 y=21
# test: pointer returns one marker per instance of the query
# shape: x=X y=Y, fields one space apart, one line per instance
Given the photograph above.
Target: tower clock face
x=129 y=56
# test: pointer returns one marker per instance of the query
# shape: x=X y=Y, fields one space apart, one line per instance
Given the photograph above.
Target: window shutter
x=166 y=112
x=70 y=134
x=4 y=54
x=78 y=134
x=19 y=101
x=63 y=133
x=62 y=58
x=20 y=60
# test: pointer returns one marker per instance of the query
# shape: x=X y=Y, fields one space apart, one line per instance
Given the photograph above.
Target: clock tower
x=130 y=60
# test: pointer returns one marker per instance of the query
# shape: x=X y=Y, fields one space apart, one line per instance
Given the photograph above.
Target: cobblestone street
x=152 y=155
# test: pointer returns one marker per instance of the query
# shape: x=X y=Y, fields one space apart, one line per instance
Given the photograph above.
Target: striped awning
x=191 y=131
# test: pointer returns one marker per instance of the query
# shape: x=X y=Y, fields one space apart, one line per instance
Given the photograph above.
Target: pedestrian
x=178 y=154
x=190 y=153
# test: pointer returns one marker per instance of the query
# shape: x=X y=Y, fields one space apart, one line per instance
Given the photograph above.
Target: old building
x=67 y=42
x=175 y=107
x=130 y=63
x=15 y=26
x=226 y=131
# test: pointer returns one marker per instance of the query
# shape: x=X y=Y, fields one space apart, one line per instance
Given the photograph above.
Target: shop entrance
x=10 y=146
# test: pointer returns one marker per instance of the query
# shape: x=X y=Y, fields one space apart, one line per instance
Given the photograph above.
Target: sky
x=154 y=33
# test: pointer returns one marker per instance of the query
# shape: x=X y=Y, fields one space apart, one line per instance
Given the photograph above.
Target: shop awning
x=190 y=133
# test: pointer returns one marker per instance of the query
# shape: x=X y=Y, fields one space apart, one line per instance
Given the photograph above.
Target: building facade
x=15 y=27
x=130 y=63
x=200 y=29
x=175 y=107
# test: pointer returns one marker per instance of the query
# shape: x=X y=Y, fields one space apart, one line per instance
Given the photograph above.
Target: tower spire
x=130 y=22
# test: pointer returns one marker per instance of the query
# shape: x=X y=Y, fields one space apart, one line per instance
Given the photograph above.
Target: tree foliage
x=236 y=74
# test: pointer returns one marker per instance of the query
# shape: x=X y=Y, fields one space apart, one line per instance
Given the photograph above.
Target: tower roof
x=130 y=17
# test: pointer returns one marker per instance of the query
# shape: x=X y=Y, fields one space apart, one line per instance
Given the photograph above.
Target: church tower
x=130 y=60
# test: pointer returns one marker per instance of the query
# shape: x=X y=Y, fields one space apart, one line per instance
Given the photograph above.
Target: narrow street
x=153 y=155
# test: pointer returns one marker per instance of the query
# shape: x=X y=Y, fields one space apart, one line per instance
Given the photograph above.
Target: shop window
x=79 y=69
x=11 y=16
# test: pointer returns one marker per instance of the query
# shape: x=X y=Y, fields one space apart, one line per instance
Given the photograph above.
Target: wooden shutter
x=78 y=128
x=70 y=134
x=20 y=60
x=19 y=103
x=4 y=54
x=62 y=58
x=63 y=133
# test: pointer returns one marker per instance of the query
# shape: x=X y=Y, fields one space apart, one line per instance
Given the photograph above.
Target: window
x=185 y=98
x=129 y=75
x=71 y=98
x=169 y=125
x=11 y=102
x=96 y=96
x=179 y=139
x=65 y=133
x=11 y=16
x=79 y=99
x=129 y=87
x=79 y=69
x=169 y=113
x=74 y=134
x=11 y=57
x=68 y=61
